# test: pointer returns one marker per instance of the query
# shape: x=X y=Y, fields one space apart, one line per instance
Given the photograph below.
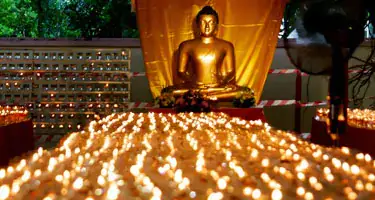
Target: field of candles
x=187 y=156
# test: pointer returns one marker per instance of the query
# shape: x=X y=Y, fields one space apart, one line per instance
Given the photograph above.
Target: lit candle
x=134 y=153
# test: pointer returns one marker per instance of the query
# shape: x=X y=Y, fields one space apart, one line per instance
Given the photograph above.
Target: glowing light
x=276 y=195
x=137 y=153
x=4 y=192
x=78 y=184
x=300 y=191
x=247 y=191
x=207 y=58
x=256 y=194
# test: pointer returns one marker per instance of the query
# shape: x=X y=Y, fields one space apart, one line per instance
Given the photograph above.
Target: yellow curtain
x=251 y=25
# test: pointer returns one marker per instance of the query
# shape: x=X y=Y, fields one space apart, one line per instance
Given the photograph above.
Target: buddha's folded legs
x=180 y=92
x=202 y=90
x=223 y=96
x=217 y=93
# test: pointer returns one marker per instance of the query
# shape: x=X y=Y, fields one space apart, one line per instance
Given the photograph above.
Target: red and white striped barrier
x=285 y=71
x=294 y=71
x=262 y=104
x=140 y=105
x=41 y=139
x=268 y=103
x=313 y=104
x=273 y=103
x=136 y=74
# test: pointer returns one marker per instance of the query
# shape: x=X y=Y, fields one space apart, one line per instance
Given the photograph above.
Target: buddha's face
x=207 y=25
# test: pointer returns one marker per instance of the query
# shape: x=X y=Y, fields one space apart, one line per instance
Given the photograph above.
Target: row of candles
x=89 y=102
x=188 y=156
x=63 y=116
x=78 y=105
x=356 y=117
x=86 y=88
x=75 y=79
x=71 y=122
x=69 y=56
x=58 y=126
x=10 y=115
x=56 y=68
x=71 y=77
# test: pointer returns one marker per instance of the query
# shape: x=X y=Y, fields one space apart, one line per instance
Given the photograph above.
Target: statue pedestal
x=244 y=113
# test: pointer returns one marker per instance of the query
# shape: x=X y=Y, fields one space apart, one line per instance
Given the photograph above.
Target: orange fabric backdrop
x=251 y=25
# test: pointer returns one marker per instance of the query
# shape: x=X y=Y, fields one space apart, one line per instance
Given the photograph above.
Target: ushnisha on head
x=207 y=20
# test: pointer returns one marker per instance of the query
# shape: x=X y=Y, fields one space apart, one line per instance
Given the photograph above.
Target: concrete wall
x=140 y=90
x=277 y=87
x=363 y=53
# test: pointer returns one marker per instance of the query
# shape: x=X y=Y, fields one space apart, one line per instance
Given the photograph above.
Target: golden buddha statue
x=212 y=61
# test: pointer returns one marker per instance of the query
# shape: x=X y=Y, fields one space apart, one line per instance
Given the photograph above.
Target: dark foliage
x=192 y=102
x=245 y=98
x=67 y=19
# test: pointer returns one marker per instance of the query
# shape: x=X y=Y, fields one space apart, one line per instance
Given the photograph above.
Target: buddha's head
x=207 y=20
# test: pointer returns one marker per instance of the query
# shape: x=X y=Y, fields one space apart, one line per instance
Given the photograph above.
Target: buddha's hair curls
x=207 y=10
